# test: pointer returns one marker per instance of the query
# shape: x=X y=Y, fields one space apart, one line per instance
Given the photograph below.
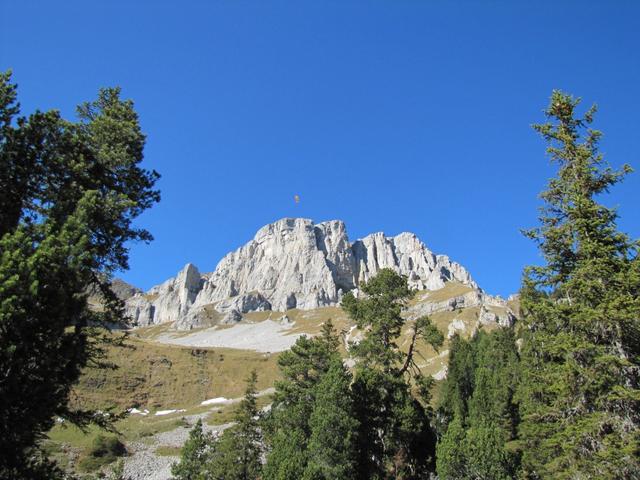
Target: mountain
x=294 y=263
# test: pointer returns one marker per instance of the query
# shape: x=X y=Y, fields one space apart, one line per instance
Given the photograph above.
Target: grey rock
x=169 y=302
x=232 y=317
x=470 y=299
x=292 y=263
x=123 y=290
x=283 y=263
x=139 y=310
x=407 y=255
x=249 y=302
x=196 y=318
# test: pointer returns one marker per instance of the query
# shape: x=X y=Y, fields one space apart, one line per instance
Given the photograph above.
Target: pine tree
x=69 y=193
x=579 y=393
x=395 y=438
x=331 y=446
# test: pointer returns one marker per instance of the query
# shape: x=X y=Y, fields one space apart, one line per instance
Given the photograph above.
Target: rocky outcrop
x=283 y=263
x=168 y=302
x=492 y=310
x=406 y=254
x=249 y=302
x=291 y=263
x=123 y=290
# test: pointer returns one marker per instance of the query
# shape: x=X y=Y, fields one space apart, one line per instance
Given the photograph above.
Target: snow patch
x=135 y=411
x=213 y=401
x=168 y=412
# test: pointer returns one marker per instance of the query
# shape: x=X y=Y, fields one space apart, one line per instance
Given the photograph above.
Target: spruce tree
x=287 y=427
x=492 y=417
x=450 y=452
x=579 y=393
x=485 y=455
x=458 y=386
x=477 y=411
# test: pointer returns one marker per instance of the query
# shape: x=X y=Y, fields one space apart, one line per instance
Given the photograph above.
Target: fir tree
x=579 y=394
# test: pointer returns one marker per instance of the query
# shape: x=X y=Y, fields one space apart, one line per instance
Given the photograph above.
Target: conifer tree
x=485 y=455
x=450 y=452
x=395 y=438
x=237 y=455
x=196 y=450
x=69 y=193
x=579 y=393
x=287 y=427
x=477 y=409
x=331 y=447
x=458 y=386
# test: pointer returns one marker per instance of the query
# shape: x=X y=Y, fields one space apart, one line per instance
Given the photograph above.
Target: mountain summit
x=291 y=263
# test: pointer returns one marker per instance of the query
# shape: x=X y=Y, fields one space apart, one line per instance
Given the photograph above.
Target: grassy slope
x=156 y=376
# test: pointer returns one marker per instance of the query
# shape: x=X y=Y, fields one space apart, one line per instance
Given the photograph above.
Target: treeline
x=554 y=397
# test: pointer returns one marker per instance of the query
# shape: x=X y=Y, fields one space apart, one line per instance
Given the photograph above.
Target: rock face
x=292 y=263
x=123 y=290
x=168 y=302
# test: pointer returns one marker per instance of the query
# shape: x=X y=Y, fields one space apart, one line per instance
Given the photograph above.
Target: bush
x=103 y=451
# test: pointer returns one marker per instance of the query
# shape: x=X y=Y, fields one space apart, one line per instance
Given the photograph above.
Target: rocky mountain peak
x=292 y=263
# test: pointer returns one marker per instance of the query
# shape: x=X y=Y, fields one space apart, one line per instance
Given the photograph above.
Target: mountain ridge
x=290 y=263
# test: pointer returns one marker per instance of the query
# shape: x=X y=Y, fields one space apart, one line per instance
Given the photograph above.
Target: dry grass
x=450 y=290
x=227 y=413
x=157 y=376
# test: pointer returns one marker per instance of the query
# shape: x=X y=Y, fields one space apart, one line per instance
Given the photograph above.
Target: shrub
x=103 y=451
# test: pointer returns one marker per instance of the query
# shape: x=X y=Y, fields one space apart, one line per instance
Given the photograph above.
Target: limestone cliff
x=291 y=263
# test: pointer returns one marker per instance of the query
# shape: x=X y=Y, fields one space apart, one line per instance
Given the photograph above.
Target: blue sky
x=390 y=115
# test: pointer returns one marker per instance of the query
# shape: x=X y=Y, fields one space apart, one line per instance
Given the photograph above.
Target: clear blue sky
x=390 y=115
